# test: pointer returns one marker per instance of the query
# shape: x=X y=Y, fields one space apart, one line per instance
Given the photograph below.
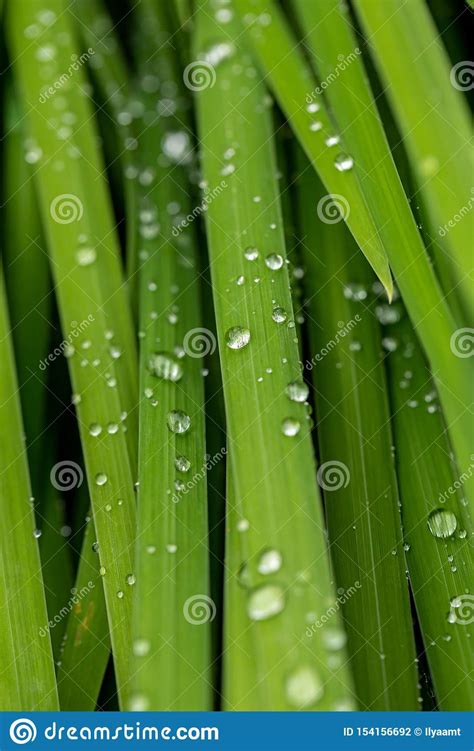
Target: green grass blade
x=85 y=262
x=173 y=609
x=357 y=471
x=432 y=494
x=27 y=670
x=352 y=106
x=294 y=86
x=276 y=548
x=87 y=645
x=425 y=93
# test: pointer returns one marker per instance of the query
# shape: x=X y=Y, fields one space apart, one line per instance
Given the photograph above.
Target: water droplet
x=112 y=428
x=297 y=391
x=178 y=421
x=290 y=426
x=182 y=464
x=171 y=548
x=242 y=525
x=315 y=126
x=102 y=570
x=343 y=162
x=442 y=523
x=269 y=562
x=86 y=256
x=334 y=638
x=303 y=687
x=237 y=337
x=274 y=261
x=332 y=140
x=265 y=602
x=131 y=579
x=138 y=703
x=313 y=107
x=141 y=647
x=101 y=478
x=163 y=366
x=251 y=253
x=120 y=594
x=95 y=429
x=279 y=315
x=37 y=534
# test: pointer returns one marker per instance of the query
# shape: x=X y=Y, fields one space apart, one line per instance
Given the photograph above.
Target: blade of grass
x=173 y=609
x=433 y=117
x=295 y=88
x=27 y=675
x=357 y=471
x=84 y=253
x=87 y=646
x=28 y=284
x=358 y=124
x=441 y=565
x=276 y=551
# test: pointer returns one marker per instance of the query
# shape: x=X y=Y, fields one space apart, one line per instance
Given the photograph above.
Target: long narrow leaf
x=93 y=306
x=357 y=471
x=27 y=670
x=425 y=92
x=277 y=556
x=437 y=521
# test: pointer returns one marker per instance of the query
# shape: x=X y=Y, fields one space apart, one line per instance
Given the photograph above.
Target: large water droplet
x=163 y=366
x=178 y=421
x=101 y=478
x=265 y=602
x=274 y=261
x=237 y=337
x=297 y=391
x=303 y=687
x=279 y=315
x=442 y=523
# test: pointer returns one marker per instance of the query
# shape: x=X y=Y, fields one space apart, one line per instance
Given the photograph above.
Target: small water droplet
x=120 y=594
x=131 y=579
x=303 y=687
x=141 y=647
x=290 y=427
x=86 y=256
x=251 y=253
x=343 y=162
x=269 y=562
x=95 y=429
x=101 y=478
x=182 y=464
x=265 y=602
